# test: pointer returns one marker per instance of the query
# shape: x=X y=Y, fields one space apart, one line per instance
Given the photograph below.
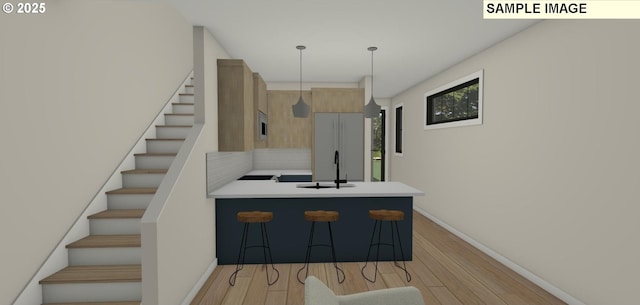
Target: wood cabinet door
x=285 y=130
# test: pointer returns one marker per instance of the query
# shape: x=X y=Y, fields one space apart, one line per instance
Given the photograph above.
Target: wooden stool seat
x=386 y=215
x=255 y=217
x=322 y=216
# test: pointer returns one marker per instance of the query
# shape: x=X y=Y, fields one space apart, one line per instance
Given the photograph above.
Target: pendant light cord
x=372 y=49
x=371 y=71
x=301 y=48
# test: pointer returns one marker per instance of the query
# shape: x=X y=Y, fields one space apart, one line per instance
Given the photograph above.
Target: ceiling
x=415 y=38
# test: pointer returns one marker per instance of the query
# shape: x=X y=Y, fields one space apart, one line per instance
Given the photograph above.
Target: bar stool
x=259 y=218
x=320 y=216
x=391 y=216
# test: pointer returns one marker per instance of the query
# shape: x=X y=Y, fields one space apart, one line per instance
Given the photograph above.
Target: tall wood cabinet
x=260 y=109
x=236 y=127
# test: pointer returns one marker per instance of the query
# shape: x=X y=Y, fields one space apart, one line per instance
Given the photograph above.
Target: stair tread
x=185 y=93
x=183 y=104
x=180 y=114
x=144 y=171
x=118 y=213
x=134 y=190
x=156 y=154
x=107 y=241
x=95 y=274
x=166 y=139
x=172 y=126
x=98 y=303
x=188 y=85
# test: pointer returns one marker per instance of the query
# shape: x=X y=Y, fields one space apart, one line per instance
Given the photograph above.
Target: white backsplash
x=224 y=167
x=282 y=158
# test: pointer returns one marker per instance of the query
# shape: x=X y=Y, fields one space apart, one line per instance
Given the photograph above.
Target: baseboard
x=505 y=261
x=203 y=279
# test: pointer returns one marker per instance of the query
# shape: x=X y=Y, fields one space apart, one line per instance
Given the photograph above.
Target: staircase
x=105 y=267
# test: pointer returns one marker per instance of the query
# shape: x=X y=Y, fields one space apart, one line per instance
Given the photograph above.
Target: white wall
x=549 y=180
x=78 y=84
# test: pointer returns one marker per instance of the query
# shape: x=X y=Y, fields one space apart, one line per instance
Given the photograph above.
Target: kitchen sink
x=319 y=185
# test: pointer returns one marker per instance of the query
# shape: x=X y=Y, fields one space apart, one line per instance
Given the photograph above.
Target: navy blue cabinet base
x=289 y=232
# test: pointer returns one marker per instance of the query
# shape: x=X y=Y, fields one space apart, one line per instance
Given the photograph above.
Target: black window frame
x=399 y=126
x=471 y=117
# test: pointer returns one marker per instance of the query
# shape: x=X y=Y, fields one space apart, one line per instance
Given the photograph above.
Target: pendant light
x=300 y=109
x=372 y=110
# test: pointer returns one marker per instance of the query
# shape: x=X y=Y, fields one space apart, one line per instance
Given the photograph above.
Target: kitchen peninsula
x=289 y=232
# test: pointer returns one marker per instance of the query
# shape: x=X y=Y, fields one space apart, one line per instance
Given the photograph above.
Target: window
x=458 y=103
x=399 y=128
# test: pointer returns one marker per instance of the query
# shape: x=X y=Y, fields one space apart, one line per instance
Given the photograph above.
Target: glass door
x=378 y=145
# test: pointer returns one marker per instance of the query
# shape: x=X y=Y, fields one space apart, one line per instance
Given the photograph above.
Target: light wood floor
x=446 y=270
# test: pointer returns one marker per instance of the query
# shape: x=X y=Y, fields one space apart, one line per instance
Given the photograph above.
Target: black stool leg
x=265 y=246
x=371 y=244
x=307 y=256
x=333 y=252
x=407 y=274
x=393 y=248
x=241 y=253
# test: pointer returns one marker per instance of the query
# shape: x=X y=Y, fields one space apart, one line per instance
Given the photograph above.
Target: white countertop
x=273 y=189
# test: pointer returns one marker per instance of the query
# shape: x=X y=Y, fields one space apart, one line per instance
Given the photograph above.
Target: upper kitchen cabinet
x=337 y=100
x=260 y=111
x=236 y=115
x=285 y=130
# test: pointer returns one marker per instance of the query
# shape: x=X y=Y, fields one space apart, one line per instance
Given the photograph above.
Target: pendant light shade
x=300 y=109
x=372 y=110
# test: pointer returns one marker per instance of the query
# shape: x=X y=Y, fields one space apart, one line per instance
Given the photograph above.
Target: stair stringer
x=59 y=258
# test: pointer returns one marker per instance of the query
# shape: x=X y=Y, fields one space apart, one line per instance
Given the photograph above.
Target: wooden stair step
x=156 y=154
x=167 y=139
x=183 y=104
x=144 y=171
x=179 y=114
x=114 y=214
x=189 y=85
x=107 y=241
x=172 y=126
x=188 y=94
x=133 y=191
x=97 y=303
x=95 y=274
